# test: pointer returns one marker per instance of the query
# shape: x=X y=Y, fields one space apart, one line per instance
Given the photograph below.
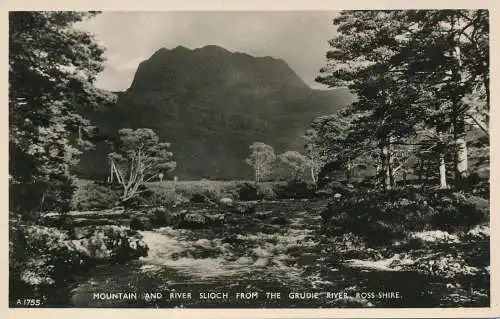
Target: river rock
x=261 y=262
x=226 y=201
x=244 y=260
x=278 y=220
x=141 y=223
x=203 y=243
x=261 y=252
x=243 y=208
x=307 y=259
x=352 y=302
x=226 y=248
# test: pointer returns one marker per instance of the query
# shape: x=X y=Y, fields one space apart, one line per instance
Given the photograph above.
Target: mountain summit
x=210 y=66
x=211 y=104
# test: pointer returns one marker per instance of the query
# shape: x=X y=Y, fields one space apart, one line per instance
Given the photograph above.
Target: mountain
x=211 y=104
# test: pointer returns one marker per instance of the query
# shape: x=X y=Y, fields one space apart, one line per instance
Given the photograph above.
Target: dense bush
x=140 y=222
x=154 y=195
x=383 y=216
x=457 y=209
x=247 y=191
x=31 y=199
x=91 y=196
x=41 y=256
x=335 y=187
x=169 y=193
x=293 y=189
x=266 y=191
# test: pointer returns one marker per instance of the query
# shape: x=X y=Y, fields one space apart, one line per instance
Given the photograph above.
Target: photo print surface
x=249 y=159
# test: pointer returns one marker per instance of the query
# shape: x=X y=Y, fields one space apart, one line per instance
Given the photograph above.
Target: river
x=276 y=250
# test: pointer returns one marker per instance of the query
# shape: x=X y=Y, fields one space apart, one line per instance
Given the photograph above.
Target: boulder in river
x=141 y=222
x=261 y=262
x=243 y=207
x=226 y=201
x=203 y=243
x=307 y=259
x=352 y=302
x=244 y=260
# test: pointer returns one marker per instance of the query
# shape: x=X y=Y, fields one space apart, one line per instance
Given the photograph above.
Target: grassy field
x=90 y=195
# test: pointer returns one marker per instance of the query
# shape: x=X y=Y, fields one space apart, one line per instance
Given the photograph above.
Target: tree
x=453 y=62
x=315 y=153
x=261 y=159
x=295 y=163
x=52 y=68
x=440 y=55
x=138 y=157
x=329 y=139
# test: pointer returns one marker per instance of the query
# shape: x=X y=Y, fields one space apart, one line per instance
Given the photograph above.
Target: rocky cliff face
x=211 y=104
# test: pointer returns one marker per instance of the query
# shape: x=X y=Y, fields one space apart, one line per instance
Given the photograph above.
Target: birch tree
x=294 y=162
x=138 y=158
x=261 y=159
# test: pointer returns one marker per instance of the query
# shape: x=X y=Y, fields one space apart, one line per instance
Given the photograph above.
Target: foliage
x=266 y=191
x=261 y=159
x=459 y=209
x=329 y=139
x=247 y=192
x=294 y=164
x=139 y=157
x=92 y=196
x=294 y=189
x=52 y=67
x=444 y=265
x=140 y=223
x=334 y=187
x=383 y=216
x=441 y=56
x=41 y=257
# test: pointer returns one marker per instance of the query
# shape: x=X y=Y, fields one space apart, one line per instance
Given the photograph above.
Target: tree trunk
x=421 y=170
x=313 y=175
x=386 y=171
x=348 y=169
x=442 y=171
x=256 y=173
x=390 y=167
x=461 y=164
x=461 y=156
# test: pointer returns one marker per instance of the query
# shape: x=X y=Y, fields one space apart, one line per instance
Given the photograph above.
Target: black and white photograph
x=249 y=159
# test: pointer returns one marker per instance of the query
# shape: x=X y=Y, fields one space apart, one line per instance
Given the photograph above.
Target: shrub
x=165 y=196
x=383 y=216
x=266 y=191
x=447 y=266
x=335 y=187
x=479 y=232
x=247 y=191
x=158 y=216
x=297 y=189
x=141 y=223
x=31 y=199
x=458 y=210
x=92 y=196
x=43 y=256
x=293 y=189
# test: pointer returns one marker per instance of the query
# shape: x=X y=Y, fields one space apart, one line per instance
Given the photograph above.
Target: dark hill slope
x=211 y=104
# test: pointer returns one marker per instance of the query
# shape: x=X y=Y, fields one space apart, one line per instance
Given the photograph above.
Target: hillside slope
x=211 y=104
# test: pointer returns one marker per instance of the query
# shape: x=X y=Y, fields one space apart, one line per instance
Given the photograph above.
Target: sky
x=298 y=37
